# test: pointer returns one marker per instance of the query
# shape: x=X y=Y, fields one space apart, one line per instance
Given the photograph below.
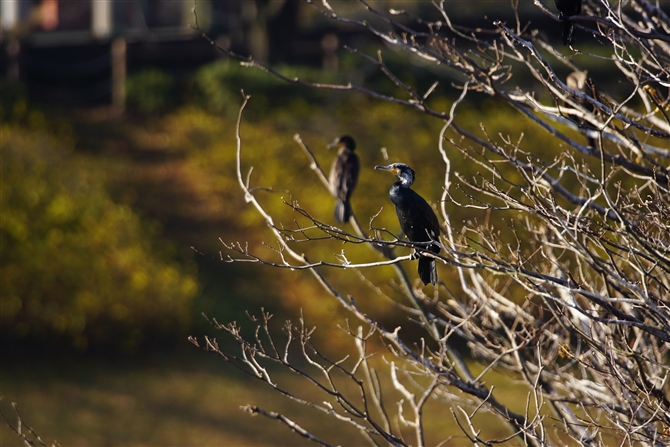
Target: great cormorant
x=344 y=176
x=567 y=8
x=417 y=219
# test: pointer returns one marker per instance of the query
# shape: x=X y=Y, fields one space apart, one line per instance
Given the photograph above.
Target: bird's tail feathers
x=342 y=212
x=568 y=29
x=428 y=270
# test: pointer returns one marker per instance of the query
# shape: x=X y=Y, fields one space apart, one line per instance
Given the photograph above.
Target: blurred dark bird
x=417 y=219
x=344 y=176
x=567 y=8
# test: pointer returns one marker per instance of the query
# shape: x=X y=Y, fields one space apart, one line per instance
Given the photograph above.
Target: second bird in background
x=344 y=176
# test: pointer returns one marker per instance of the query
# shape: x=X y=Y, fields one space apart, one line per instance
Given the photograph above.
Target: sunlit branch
x=254 y=410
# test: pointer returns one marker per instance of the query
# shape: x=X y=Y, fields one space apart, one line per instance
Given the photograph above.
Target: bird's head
x=343 y=141
x=404 y=172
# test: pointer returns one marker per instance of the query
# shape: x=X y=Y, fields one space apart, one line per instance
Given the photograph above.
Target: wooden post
x=13 y=59
x=118 y=75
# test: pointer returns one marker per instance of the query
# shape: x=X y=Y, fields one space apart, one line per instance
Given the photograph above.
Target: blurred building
x=78 y=52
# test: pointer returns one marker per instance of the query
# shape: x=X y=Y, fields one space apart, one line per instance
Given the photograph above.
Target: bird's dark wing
x=428 y=215
x=344 y=175
x=351 y=173
x=427 y=267
x=418 y=220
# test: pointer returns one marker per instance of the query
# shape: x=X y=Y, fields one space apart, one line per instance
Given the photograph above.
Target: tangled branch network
x=572 y=301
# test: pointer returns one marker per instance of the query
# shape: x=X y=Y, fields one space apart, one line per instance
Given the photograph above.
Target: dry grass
x=177 y=400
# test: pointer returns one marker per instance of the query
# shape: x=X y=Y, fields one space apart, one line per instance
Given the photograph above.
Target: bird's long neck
x=399 y=191
x=344 y=149
x=400 y=186
x=405 y=180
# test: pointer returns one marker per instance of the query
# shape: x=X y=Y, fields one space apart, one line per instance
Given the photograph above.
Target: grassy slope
x=162 y=400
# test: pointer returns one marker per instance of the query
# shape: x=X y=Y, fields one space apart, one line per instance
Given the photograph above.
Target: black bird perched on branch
x=417 y=219
x=567 y=8
x=344 y=176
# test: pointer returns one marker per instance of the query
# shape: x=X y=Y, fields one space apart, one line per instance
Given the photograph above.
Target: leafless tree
x=25 y=433
x=590 y=248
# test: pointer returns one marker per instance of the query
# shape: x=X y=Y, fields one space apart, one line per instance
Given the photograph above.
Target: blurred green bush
x=151 y=91
x=216 y=87
x=78 y=268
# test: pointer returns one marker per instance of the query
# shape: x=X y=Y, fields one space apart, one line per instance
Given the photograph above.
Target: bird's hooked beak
x=334 y=144
x=388 y=168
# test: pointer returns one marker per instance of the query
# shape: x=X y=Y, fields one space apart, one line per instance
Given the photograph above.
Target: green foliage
x=216 y=87
x=10 y=94
x=190 y=185
x=76 y=267
x=150 y=91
